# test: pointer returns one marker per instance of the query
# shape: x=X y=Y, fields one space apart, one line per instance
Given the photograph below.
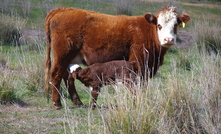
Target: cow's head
x=166 y=22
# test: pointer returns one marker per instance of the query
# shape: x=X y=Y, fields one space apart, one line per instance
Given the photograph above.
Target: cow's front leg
x=94 y=93
x=141 y=55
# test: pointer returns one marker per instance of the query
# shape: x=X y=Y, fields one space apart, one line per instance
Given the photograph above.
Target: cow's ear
x=150 y=18
x=184 y=18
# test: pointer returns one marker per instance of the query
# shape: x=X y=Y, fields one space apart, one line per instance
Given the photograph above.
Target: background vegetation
x=184 y=96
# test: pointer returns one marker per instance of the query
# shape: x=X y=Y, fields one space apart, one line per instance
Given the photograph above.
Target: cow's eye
x=159 y=26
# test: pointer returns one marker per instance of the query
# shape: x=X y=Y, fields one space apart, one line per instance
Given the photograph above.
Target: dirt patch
x=16 y=119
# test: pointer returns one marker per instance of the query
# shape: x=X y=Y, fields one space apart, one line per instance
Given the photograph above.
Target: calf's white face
x=166 y=26
x=73 y=67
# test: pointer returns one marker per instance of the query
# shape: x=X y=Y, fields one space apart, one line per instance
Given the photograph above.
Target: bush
x=10 y=29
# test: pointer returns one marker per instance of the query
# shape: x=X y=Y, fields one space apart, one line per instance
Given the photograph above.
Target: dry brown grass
x=183 y=103
x=207 y=35
x=10 y=27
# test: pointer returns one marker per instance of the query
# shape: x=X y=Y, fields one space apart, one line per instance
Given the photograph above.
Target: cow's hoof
x=93 y=107
x=58 y=107
x=78 y=103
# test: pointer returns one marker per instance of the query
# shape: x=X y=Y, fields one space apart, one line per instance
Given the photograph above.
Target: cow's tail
x=48 y=54
x=48 y=49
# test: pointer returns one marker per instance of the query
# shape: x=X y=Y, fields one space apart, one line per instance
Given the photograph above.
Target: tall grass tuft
x=21 y=8
x=7 y=93
x=10 y=29
x=23 y=71
x=31 y=63
x=129 y=114
x=181 y=103
x=123 y=6
x=207 y=35
x=7 y=88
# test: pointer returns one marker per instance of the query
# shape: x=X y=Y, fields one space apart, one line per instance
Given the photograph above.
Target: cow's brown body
x=99 y=74
x=83 y=36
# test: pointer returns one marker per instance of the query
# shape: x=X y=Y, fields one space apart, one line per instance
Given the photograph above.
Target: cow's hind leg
x=56 y=77
x=58 y=72
x=64 y=51
x=69 y=81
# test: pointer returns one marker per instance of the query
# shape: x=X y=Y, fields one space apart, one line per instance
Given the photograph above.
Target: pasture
x=184 y=96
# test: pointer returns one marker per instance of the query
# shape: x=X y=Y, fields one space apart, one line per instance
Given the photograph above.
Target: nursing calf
x=99 y=74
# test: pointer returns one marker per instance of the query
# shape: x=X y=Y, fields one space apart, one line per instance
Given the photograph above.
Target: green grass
x=184 y=96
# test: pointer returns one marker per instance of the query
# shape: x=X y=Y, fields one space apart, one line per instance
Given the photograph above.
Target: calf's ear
x=150 y=18
x=74 y=75
x=134 y=62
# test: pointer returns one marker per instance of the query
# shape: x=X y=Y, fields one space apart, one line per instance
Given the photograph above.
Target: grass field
x=184 y=96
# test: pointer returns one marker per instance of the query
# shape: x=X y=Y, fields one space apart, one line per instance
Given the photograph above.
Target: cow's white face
x=166 y=27
x=166 y=23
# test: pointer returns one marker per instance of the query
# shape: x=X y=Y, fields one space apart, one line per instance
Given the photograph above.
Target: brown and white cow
x=80 y=36
x=99 y=74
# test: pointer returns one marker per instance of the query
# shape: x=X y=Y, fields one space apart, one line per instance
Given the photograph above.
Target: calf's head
x=73 y=70
x=166 y=23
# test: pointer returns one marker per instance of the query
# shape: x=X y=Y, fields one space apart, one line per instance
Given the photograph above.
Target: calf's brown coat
x=99 y=74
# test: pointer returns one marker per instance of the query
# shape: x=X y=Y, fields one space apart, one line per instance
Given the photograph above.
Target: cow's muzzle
x=169 y=40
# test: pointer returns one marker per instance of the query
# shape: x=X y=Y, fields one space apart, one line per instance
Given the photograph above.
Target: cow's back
x=103 y=37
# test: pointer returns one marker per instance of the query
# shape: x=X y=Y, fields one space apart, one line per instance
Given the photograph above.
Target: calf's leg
x=72 y=90
x=94 y=93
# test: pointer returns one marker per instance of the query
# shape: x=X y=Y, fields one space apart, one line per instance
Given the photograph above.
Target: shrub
x=7 y=94
x=10 y=29
x=7 y=91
